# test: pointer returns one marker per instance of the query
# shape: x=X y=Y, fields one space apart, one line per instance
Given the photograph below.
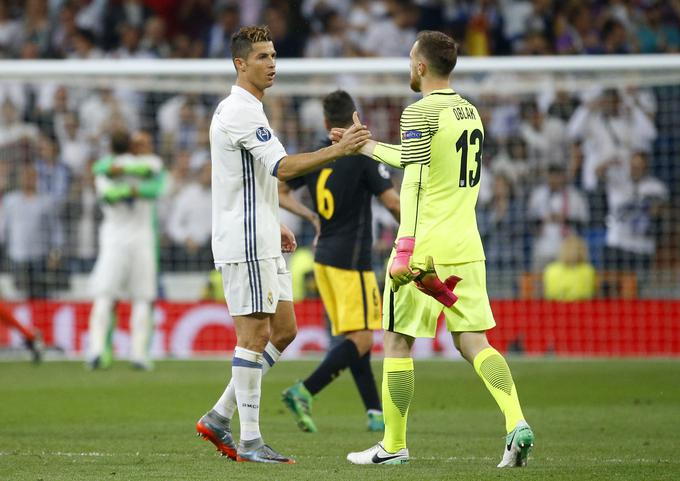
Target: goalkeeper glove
x=138 y=169
x=429 y=283
x=400 y=270
x=117 y=192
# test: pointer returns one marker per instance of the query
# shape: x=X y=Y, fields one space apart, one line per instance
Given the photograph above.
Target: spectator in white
x=98 y=110
x=556 y=210
x=332 y=41
x=394 y=36
x=53 y=176
x=12 y=129
x=610 y=131
x=169 y=115
x=190 y=222
x=75 y=150
x=545 y=136
x=34 y=238
x=10 y=31
x=185 y=136
x=361 y=18
x=154 y=40
x=635 y=209
x=82 y=220
x=90 y=14
x=218 y=42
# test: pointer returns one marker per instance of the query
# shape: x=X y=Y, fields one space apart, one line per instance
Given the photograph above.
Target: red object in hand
x=400 y=269
x=429 y=283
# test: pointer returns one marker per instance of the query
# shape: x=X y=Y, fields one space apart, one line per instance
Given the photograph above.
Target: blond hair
x=573 y=251
x=243 y=40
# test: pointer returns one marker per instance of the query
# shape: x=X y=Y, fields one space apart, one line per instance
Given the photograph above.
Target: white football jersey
x=133 y=219
x=245 y=198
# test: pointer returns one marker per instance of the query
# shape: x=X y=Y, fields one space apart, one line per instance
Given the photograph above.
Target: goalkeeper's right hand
x=428 y=282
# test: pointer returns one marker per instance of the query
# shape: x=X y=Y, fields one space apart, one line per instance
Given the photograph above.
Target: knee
x=255 y=340
x=281 y=338
x=363 y=340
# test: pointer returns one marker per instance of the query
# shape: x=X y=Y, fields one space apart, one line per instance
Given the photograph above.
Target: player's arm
x=295 y=165
x=388 y=154
x=390 y=199
x=288 y=202
x=107 y=166
x=415 y=156
x=151 y=188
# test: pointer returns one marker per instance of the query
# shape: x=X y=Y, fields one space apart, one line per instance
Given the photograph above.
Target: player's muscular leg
x=252 y=331
x=283 y=326
x=469 y=344
x=397 y=345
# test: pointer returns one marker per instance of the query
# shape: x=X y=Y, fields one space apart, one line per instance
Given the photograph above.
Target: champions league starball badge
x=263 y=134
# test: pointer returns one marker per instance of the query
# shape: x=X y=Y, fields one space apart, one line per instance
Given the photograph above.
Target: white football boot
x=377 y=455
x=518 y=444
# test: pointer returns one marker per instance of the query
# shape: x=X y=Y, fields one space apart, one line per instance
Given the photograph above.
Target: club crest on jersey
x=411 y=134
x=263 y=134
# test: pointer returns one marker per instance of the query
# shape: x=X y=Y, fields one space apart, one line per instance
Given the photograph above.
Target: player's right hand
x=400 y=268
x=354 y=137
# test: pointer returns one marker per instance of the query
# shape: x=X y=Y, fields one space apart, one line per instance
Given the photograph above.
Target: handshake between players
x=401 y=269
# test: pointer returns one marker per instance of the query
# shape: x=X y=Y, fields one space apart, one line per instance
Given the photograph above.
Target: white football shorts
x=126 y=271
x=256 y=286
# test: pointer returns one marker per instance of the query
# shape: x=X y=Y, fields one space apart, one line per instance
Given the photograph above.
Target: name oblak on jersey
x=464 y=113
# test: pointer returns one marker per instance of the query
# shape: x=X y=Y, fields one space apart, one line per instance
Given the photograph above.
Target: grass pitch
x=594 y=420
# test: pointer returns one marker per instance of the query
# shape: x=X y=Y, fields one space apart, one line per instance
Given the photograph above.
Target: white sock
x=141 y=324
x=226 y=404
x=246 y=374
x=100 y=318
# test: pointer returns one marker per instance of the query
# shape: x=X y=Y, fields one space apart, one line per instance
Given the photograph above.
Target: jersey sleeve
x=377 y=177
x=415 y=136
x=251 y=132
x=388 y=154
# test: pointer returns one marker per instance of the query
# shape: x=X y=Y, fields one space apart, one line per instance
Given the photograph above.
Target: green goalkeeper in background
x=128 y=185
x=438 y=252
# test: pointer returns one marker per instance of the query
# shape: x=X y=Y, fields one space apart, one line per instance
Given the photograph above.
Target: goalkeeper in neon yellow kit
x=441 y=153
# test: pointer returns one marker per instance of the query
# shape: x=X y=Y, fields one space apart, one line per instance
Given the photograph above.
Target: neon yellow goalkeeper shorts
x=409 y=311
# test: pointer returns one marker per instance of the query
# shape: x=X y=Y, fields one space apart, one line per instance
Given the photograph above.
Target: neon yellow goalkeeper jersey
x=444 y=131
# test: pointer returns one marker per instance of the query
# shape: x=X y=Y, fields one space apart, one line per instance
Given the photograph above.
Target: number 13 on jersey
x=470 y=178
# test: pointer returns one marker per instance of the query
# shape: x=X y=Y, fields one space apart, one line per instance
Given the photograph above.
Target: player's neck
x=250 y=88
x=427 y=86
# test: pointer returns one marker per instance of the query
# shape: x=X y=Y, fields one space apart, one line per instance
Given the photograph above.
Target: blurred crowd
x=84 y=29
x=575 y=182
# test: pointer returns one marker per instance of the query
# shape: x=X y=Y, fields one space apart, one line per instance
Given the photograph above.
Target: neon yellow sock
x=495 y=373
x=397 y=391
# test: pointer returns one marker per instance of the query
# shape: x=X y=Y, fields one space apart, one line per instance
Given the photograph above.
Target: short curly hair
x=243 y=40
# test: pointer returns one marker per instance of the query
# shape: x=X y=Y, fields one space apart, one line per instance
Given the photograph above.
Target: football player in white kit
x=247 y=240
x=126 y=266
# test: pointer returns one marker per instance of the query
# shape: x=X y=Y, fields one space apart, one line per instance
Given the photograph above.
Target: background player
x=441 y=151
x=32 y=337
x=126 y=266
x=247 y=158
x=341 y=193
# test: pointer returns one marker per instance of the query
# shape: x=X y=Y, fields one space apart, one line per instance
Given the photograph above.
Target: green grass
x=594 y=420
